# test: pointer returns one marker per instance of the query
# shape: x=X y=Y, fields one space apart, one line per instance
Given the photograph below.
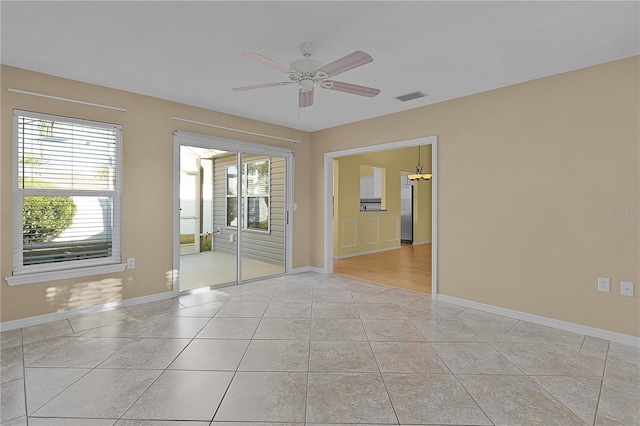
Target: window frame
x=246 y=196
x=25 y=274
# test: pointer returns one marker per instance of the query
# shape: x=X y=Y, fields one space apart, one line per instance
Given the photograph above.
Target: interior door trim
x=328 y=198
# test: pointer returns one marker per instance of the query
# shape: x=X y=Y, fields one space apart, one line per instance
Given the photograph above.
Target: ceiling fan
x=307 y=73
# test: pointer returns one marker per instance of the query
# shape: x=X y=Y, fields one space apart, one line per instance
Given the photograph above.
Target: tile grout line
x=492 y=344
x=89 y=370
x=384 y=383
x=168 y=365
x=556 y=399
x=604 y=372
x=215 y=413
x=584 y=339
x=24 y=379
x=474 y=400
x=306 y=396
x=162 y=371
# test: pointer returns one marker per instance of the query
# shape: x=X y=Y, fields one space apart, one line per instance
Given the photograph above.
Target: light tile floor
x=311 y=349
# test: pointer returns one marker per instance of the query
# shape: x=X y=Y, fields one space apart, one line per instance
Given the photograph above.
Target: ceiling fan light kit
x=308 y=73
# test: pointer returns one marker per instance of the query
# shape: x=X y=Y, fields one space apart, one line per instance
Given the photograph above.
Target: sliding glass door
x=263 y=215
x=208 y=254
x=233 y=212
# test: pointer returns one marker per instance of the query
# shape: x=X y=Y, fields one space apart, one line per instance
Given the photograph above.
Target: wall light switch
x=626 y=288
x=131 y=263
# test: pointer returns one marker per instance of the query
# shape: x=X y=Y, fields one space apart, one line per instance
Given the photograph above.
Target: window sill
x=40 y=277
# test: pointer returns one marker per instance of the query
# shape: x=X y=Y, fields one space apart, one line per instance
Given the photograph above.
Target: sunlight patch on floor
x=212 y=268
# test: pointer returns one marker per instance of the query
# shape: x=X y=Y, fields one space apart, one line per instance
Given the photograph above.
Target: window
x=255 y=195
x=66 y=204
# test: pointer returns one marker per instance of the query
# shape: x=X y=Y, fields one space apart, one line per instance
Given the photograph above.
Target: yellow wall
x=366 y=170
x=422 y=201
x=147 y=188
x=357 y=232
x=534 y=182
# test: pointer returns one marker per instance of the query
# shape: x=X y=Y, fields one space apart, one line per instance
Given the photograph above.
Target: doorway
x=332 y=201
x=232 y=211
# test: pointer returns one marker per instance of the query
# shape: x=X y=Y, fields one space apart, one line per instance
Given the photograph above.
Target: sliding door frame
x=239 y=148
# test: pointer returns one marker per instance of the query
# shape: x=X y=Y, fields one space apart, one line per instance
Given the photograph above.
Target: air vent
x=411 y=96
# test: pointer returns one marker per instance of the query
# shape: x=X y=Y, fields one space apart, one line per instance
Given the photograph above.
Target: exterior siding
x=259 y=245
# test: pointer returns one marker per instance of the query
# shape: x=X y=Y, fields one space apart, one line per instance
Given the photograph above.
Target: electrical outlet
x=604 y=284
x=626 y=288
x=131 y=263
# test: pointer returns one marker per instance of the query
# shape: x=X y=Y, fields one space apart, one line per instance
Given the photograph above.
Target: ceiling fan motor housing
x=306 y=65
x=306 y=80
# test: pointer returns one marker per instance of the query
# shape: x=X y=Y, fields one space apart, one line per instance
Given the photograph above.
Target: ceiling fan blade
x=347 y=63
x=305 y=99
x=268 y=62
x=260 y=86
x=354 y=89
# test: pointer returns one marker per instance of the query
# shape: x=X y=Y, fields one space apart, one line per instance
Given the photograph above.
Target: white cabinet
x=371 y=186
x=377 y=182
x=366 y=187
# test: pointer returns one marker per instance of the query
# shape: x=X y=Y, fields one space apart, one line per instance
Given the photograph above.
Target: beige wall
x=535 y=181
x=532 y=180
x=147 y=188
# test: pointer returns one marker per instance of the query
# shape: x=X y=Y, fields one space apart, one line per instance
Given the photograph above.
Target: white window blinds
x=67 y=193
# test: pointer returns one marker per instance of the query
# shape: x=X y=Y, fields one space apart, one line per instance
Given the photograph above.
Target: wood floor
x=408 y=267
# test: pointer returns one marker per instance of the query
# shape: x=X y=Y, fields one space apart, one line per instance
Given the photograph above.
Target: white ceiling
x=191 y=52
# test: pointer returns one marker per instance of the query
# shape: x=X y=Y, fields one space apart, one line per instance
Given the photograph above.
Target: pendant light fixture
x=419 y=175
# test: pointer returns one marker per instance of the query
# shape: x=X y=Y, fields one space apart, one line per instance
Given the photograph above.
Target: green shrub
x=205 y=242
x=187 y=238
x=45 y=217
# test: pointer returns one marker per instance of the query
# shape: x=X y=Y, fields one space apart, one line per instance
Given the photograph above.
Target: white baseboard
x=362 y=253
x=57 y=316
x=308 y=269
x=421 y=243
x=625 y=339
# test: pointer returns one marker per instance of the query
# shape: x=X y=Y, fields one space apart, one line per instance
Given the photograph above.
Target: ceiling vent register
x=411 y=96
